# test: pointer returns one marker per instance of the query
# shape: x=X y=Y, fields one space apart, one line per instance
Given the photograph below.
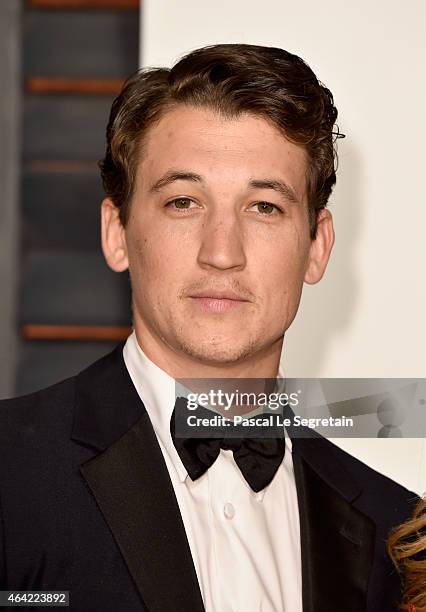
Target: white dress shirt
x=245 y=545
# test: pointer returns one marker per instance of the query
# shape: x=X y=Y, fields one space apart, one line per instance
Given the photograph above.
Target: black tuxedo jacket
x=87 y=505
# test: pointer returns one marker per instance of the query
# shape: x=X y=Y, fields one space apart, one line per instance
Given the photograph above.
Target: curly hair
x=407 y=548
x=230 y=79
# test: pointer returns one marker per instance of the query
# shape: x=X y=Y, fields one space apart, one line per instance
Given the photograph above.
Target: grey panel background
x=9 y=137
x=61 y=210
x=65 y=127
x=73 y=289
x=64 y=279
x=45 y=363
x=107 y=43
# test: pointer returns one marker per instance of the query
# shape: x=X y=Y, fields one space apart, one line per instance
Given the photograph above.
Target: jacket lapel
x=132 y=487
x=337 y=540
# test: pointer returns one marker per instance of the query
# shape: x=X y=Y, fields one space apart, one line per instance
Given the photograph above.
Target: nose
x=222 y=243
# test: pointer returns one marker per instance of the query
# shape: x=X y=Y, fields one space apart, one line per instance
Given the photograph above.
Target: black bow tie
x=257 y=458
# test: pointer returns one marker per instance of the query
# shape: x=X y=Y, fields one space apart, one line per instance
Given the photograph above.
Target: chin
x=217 y=353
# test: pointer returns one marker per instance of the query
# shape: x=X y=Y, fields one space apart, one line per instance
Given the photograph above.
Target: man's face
x=217 y=241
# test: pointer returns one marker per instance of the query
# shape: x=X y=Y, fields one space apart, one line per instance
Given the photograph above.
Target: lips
x=218 y=302
x=219 y=295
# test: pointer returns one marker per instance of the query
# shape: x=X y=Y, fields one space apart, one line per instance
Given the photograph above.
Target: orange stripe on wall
x=76 y=332
x=47 y=85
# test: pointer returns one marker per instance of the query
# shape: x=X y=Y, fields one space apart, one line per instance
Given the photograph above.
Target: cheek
x=281 y=269
x=156 y=262
x=139 y=255
x=287 y=252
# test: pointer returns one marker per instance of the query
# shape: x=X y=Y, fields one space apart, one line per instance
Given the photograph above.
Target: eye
x=180 y=203
x=266 y=208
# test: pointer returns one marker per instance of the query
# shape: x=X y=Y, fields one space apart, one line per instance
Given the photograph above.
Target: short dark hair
x=231 y=79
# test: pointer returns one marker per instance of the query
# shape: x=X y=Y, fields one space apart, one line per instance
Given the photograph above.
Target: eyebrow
x=175 y=175
x=182 y=175
x=279 y=186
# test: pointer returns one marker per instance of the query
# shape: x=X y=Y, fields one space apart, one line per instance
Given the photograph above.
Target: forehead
x=199 y=139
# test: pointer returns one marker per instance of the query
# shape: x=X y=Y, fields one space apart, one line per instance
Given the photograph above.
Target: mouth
x=218 y=301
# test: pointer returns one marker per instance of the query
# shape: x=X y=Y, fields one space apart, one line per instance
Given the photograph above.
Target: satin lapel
x=133 y=490
x=337 y=540
x=132 y=487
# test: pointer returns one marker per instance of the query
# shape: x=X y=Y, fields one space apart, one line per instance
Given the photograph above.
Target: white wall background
x=367 y=317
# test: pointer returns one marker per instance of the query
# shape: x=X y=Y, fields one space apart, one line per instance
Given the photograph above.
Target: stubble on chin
x=216 y=354
x=209 y=346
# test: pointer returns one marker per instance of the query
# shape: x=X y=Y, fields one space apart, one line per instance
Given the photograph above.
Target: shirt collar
x=157 y=392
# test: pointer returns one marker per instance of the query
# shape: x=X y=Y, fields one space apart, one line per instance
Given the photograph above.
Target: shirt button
x=229 y=510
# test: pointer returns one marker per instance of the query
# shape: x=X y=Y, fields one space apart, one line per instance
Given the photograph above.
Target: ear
x=113 y=237
x=320 y=248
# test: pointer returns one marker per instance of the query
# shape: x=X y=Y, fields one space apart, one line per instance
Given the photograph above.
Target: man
x=217 y=174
